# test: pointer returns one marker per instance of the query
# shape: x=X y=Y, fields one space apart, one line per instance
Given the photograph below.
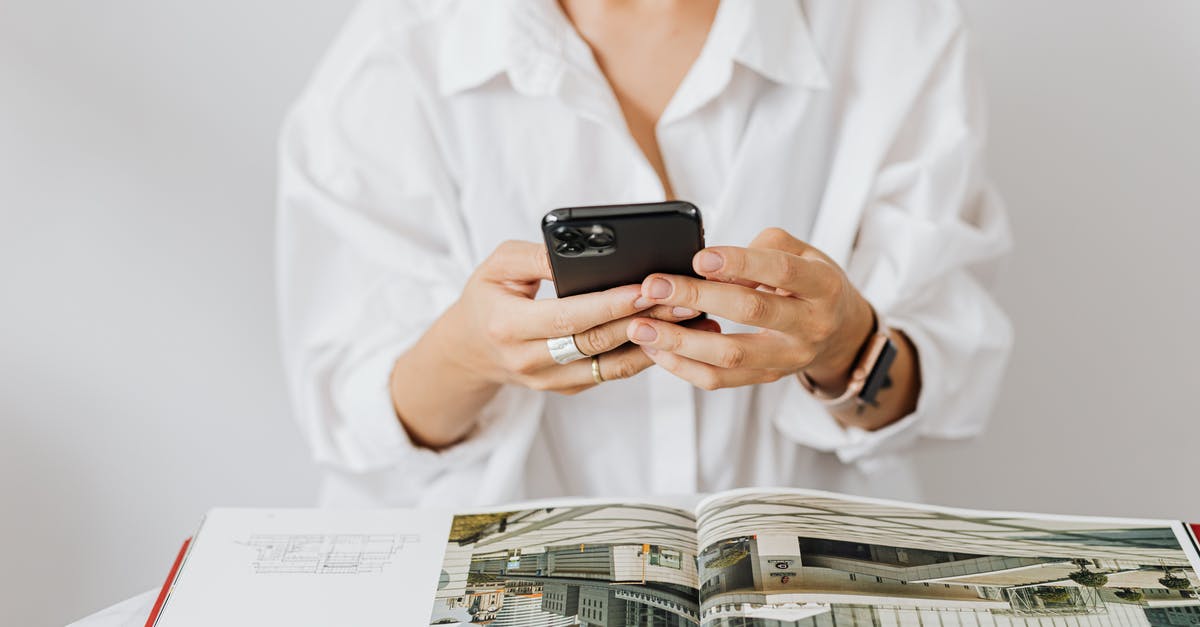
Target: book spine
x=167 y=585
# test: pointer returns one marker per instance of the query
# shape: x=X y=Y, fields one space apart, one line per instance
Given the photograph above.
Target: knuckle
x=563 y=322
x=615 y=309
x=732 y=356
x=593 y=341
x=753 y=308
x=773 y=236
x=708 y=381
x=789 y=266
x=685 y=293
x=623 y=369
x=498 y=329
x=834 y=287
x=669 y=339
x=504 y=249
x=821 y=329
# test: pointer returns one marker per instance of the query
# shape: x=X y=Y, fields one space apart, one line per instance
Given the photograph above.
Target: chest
x=756 y=157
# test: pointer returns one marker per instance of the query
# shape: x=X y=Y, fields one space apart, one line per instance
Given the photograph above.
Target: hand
x=497 y=332
x=811 y=317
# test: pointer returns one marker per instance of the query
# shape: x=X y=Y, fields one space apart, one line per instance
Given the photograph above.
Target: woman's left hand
x=811 y=318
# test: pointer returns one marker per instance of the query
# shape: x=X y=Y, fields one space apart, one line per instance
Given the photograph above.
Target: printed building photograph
x=775 y=560
x=609 y=565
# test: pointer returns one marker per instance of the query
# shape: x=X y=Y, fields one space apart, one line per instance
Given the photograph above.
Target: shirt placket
x=672 y=447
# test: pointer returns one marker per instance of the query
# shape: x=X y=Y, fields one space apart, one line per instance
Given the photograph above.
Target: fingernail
x=642 y=302
x=682 y=312
x=650 y=351
x=708 y=261
x=658 y=288
x=645 y=333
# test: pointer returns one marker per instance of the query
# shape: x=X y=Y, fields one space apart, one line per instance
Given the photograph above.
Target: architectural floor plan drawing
x=341 y=554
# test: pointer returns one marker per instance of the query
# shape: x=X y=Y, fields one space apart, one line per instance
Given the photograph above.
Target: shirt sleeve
x=370 y=251
x=931 y=236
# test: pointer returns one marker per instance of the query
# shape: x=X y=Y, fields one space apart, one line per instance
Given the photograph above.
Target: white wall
x=139 y=383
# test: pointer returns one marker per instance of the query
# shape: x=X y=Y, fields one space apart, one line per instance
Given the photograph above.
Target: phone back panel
x=646 y=238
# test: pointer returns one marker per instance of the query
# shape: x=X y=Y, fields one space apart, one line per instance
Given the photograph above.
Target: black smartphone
x=601 y=247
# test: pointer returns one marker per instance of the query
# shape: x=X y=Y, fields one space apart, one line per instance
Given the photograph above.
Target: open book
x=747 y=557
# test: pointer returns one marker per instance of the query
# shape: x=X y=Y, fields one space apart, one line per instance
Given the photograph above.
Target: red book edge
x=166 y=587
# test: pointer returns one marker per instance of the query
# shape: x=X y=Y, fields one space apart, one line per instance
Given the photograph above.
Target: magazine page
x=783 y=558
x=308 y=567
x=590 y=563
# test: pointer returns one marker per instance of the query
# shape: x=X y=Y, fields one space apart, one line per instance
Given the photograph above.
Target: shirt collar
x=531 y=41
x=772 y=37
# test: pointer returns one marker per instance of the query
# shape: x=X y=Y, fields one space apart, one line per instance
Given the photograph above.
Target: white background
x=139 y=383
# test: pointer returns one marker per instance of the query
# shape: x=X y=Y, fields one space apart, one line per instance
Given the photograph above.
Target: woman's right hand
x=496 y=334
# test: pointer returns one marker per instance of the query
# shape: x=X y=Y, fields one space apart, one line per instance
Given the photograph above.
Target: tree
x=477 y=578
x=1129 y=595
x=1175 y=583
x=727 y=559
x=1085 y=577
x=1171 y=581
x=1054 y=594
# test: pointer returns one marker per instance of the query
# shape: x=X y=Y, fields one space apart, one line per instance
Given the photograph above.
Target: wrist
x=832 y=369
x=435 y=393
x=445 y=351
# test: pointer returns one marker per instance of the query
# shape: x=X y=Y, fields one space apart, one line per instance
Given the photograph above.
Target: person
x=834 y=148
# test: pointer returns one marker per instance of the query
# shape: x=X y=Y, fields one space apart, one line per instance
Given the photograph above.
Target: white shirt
x=434 y=130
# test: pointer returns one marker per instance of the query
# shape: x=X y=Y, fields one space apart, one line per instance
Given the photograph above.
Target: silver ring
x=563 y=349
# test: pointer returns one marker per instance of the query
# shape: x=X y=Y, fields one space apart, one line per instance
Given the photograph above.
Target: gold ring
x=596 y=375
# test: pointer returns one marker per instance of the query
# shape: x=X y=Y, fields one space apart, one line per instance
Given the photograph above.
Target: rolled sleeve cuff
x=807 y=421
x=370 y=436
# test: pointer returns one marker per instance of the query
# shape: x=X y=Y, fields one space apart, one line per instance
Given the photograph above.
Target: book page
x=308 y=567
x=784 y=558
x=588 y=563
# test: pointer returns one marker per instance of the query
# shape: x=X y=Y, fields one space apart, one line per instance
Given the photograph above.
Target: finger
x=605 y=337
x=558 y=317
x=734 y=350
x=779 y=239
x=531 y=357
x=778 y=269
x=575 y=390
x=708 y=376
x=621 y=363
x=521 y=262
x=734 y=302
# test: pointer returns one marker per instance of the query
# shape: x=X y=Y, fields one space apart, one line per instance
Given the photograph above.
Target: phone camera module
x=600 y=240
x=570 y=248
x=567 y=234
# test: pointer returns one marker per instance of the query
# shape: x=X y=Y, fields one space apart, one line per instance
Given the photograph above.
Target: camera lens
x=600 y=240
x=569 y=249
x=567 y=234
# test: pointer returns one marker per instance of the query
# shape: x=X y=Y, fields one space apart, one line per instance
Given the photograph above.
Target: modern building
x=1174 y=616
x=525 y=610
x=771 y=577
x=560 y=598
